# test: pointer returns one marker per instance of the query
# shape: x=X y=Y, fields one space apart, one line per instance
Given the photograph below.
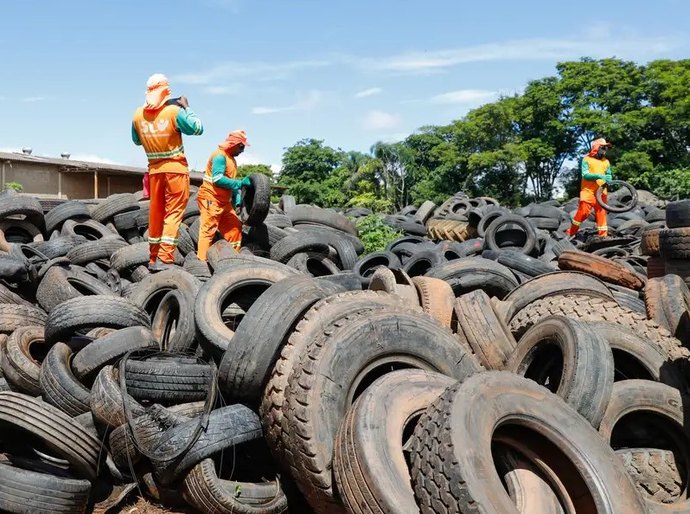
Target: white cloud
x=306 y=102
x=238 y=69
x=464 y=96
x=33 y=99
x=600 y=44
x=11 y=150
x=252 y=158
x=369 y=92
x=380 y=120
x=222 y=90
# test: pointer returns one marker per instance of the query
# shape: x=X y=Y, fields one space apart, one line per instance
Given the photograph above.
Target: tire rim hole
x=317 y=268
x=379 y=368
x=546 y=366
x=81 y=287
x=419 y=268
x=88 y=232
x=627 y=366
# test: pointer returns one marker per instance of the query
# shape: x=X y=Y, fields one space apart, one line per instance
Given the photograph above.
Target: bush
x=375 y=234
x=14 y=185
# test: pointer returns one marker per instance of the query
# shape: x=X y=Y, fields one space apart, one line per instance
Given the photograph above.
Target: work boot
x=159 y=266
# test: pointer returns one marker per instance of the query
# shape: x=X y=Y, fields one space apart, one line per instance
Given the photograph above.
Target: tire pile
x=481 y=363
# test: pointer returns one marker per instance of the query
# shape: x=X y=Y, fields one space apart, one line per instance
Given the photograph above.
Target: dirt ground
x=139 y=505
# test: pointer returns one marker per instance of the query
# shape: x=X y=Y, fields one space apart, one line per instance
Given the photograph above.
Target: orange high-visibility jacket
x=218 y=186
x=591 y=169
x=161 y=136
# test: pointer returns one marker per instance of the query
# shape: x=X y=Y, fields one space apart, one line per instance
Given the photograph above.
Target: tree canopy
x=518 y=148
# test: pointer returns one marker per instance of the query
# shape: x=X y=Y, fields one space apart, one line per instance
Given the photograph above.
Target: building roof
x=70 y=166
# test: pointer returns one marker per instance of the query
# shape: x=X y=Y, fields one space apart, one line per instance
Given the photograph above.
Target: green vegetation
x=375 y=234
x=516 y=148
x=15 y=186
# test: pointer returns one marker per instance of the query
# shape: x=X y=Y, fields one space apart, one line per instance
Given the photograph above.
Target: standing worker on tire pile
x=219 y=192
x=596 y=172
x=158 y=126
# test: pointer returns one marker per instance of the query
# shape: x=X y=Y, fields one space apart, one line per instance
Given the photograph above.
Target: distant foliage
x=375 y=234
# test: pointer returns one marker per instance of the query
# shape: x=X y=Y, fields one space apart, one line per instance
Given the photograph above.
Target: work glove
x=246 y=182
x=601 y=182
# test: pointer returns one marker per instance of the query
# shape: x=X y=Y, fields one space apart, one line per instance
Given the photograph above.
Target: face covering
x=601 y=153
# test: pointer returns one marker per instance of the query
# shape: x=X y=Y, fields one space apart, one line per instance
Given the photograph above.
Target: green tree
x=244 y=170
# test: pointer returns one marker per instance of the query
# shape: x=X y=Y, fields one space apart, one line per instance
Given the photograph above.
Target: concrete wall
x=36 y=178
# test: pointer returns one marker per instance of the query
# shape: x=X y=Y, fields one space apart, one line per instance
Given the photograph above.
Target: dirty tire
x=323 y=313
x=29 y=492
x=73 y=209
x=575 y=361
x=664 y=410
x=600 y=267
x=106 y=399
x=597 y=309
x=451 y=477
x=436 y=298
x=115 y=204
x=369 y=465
x=95 y=250
x=60 y=284
x=215 y=295
x=18 y=365
x=59 y=385
x=491 y=237
x=110 y=348
x=484 y=331
x=654 y=472
x=60 y=433
x=151 y=290
x=85 y=313
x=649 y=243
x=246 y=365
x=204 y=490
x=167 y=382
x=466 y=275
x=301 y=214
x=13 y=316
x=404 y=340
x=667 y=301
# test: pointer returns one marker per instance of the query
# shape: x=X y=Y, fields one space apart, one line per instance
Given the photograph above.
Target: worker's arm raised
x=189 y=123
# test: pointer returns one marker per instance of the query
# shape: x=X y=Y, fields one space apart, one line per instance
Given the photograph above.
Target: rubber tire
x=256 y=199
x=154 y=286
x=421 y=262
x=317 y=404
x=674 y=243
x=452 y=477
x=173 y=323
x=596 y=309
x=167 y=382
x=436 y=298
x=638 y=396
x=94 y=250
x=65 y=438
x=58 y=285
x=30 y=492
x=19 y=367
x=109 y=349
x=667 y=301
x=90 y=229
x=246 y=366
x=59 y=385
x=656 y=474
x=90 y=312
x=678 y=214
x=484 y=331
x=301 y=214
x=73 y=209
x=291 y=245
x=600 y=267
x=587 y=366
x=106 y=400
x=13 y=316
x=490 y=237
x=367 y=265
x=114 y=204
x=368 y=463
x=466 y=275
x=212 y=333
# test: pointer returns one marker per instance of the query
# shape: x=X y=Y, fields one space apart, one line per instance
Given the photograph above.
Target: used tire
x=85 y=313
x=569 y=359
x=257 y=199
x=60 y=284
x=13 y=316
x=450 y=476
x=469 y=274
x=73 y=209
x=369 y=465
x=59 y=385
x=22 y=354
x=600 y=267
x=491 y=237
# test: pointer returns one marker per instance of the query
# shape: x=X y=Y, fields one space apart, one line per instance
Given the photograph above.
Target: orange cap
x=235 y=137
x=598 y=143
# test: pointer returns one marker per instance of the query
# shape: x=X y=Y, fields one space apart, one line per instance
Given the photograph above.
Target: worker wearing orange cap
x=219 y=192
x=158 y=126
x=596 y=172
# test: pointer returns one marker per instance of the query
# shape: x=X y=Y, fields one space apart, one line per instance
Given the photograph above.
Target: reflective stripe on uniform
x=603 y=228
x=576 y=223
x=154 y=240
x=236 y=244
x=169 y=240
x=177 y=152
x=208 y=179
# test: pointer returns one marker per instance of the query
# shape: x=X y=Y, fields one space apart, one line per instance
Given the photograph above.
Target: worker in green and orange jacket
x=596 y=172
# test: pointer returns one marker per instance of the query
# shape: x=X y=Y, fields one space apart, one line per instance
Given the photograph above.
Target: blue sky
x=73 y=71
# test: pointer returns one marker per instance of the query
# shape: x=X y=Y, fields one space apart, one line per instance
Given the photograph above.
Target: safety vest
x=219 y=194
x=588 y=188
x=161 y=139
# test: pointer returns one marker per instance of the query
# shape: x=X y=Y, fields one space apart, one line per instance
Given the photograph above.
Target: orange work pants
x=583 y=211
x=217 y=217
x=169 y=196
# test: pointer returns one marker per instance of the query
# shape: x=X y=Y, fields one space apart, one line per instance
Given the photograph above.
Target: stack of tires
x=302 y=375
x=674 y=242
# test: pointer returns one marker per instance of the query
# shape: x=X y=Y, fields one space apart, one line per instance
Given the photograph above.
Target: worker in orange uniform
x=596 y=172
x=219 y=192
x=158 y=126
